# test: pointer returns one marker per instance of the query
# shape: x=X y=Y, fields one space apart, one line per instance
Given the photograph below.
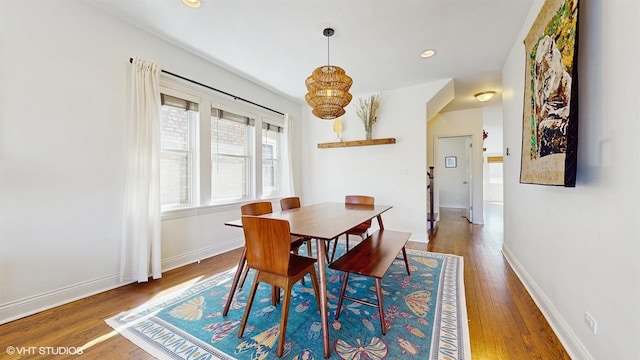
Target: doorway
x=455 y=188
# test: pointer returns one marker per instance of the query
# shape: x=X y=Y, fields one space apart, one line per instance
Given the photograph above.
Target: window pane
x=175 y=178
x=175 y=131
x=270 y=177
x=230 y=156
x=495 y=173
x=228 y=137
x=229 y=178
x=271 y=145
x=177 y=125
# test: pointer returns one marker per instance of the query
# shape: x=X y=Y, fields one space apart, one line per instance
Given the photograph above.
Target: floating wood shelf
x=357 y=143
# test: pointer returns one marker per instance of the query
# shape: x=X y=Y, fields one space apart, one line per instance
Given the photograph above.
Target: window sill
x=196 y=210
x=209 y=209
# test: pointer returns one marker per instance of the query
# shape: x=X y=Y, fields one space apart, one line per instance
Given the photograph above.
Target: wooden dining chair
x=268 y=252
x=361 y=230
x=293 y=202
x=256 y=208
x=260 y=208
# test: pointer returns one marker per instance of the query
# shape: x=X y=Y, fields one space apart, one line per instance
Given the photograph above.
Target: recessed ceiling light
x=427 y=53
x=485 y=96
x=192 y=3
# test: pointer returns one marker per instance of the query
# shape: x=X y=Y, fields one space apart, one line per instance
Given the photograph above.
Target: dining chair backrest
x=290 y=203
x=268 y=243
x=360 y=200
x=257 y=208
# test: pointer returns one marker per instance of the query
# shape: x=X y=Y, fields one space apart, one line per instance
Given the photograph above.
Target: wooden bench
x=372 y=257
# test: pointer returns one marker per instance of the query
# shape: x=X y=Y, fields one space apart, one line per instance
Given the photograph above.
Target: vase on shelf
x=367 y=110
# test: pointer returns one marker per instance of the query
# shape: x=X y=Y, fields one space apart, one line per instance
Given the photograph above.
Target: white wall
x=492 y=123
x=394 y=174
x=578 y=249
x=459 y=123
x=63 y=110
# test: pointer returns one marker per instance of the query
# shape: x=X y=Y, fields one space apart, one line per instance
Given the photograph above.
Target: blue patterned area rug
x=425 y=314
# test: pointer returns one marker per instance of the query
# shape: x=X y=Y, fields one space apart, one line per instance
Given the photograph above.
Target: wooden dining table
x=323 y=222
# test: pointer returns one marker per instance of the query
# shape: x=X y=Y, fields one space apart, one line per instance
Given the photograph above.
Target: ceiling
x=277 y=43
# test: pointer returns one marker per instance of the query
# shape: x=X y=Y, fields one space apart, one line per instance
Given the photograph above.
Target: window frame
x=202 y=200
x=494 y=162
x=193 y=142
x=251 y=153
x=279 y=153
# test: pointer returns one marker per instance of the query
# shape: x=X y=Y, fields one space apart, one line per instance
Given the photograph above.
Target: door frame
x=472 y=187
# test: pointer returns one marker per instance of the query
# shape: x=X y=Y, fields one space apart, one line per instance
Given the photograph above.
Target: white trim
x=200 y=254
x=33 y=304
x=213 y=208
x=565 y=334
x=200 y=210
x=419 y=239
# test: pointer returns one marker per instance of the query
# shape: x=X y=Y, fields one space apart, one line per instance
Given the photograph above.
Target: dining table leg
x=322 y=279
x=236 y=278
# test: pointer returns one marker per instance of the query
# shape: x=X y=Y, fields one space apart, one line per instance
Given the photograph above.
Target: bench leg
x=380 y=306
x=347 y=236
x=342 y=290
x=406 y=261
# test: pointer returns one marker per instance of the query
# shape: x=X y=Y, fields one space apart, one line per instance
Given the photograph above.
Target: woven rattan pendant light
x=328 y=88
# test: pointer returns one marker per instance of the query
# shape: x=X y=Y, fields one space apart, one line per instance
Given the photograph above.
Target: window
x=214 y=151
x=495 y=169
x=271 y=155
x=177 y=120
x=231 y=140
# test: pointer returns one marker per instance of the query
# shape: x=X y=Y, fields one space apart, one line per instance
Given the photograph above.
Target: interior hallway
x=504 y=322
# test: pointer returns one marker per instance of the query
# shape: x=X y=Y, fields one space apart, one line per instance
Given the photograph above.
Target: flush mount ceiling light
x=192 y=3
x=484 y=96
x=328 y=88
x=427 y=53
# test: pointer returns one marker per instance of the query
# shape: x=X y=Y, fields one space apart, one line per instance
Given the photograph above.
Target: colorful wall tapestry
x=550 y=119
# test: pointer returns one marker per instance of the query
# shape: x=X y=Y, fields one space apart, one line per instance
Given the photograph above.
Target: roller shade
x=175 y=102
x=227 y=115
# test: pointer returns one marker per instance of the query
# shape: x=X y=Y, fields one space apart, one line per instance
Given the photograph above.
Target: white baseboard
x=419 y=239
x=567 y=337
x=203 y=253
x=34 y=304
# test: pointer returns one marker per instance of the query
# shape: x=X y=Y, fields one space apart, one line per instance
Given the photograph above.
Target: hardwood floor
x=504 y=322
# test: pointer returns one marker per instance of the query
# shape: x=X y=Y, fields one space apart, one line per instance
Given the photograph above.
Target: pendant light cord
x=328 y=50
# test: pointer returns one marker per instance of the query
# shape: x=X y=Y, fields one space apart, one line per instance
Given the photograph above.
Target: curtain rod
x=218 y=90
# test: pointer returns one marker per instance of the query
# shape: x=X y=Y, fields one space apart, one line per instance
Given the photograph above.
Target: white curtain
x=287 y=167
x=140 y=243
